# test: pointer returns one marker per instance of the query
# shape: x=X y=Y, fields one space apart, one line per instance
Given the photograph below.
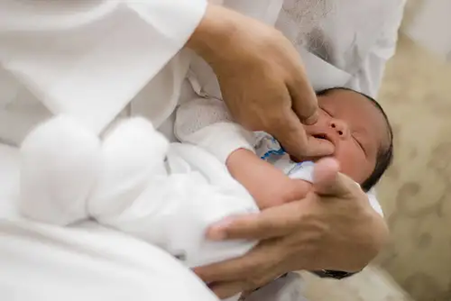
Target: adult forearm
x=212 y=37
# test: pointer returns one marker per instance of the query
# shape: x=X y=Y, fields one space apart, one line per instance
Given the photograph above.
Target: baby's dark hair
x=385 y=154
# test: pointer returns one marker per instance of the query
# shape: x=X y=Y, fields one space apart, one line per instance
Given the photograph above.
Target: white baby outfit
x=137 y=182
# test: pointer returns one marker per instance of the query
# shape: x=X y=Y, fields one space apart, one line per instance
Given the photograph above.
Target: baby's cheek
x=352 y=163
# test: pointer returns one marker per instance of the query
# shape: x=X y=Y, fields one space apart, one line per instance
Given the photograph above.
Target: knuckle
x=268 y=226
x=253 y=283
x=257 y=281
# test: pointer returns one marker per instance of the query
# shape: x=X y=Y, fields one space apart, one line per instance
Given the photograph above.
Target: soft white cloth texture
x=138 y=183
x=134 y=181
x=89 y=60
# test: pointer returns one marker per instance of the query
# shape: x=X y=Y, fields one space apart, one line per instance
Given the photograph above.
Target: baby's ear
x=59 y=165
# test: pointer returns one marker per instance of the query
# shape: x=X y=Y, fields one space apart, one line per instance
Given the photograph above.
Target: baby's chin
x=307 y=158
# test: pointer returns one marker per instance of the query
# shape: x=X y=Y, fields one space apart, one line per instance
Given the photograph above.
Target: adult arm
x=261 y=76
x=88 y=59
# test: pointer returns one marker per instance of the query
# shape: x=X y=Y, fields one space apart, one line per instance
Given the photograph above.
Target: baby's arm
x=206 y=123
x=268 y=185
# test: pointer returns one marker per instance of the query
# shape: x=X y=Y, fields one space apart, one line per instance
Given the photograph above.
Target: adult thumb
x=291 y=134
x=328 y=181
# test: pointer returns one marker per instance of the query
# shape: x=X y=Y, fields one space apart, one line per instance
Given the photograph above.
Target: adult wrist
x=214 y=33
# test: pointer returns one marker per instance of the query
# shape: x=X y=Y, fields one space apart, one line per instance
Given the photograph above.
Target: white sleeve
x=369 y=77
x=89 y=58
x=206 y=122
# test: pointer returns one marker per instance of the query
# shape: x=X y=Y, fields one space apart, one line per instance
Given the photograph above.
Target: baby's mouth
x=326 y=137
x=320 y=136
x=323 y=137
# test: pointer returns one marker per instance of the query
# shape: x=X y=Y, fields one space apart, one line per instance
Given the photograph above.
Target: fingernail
x=217 y=231
x=312 y=119
x=330 y=148
x=217 y=234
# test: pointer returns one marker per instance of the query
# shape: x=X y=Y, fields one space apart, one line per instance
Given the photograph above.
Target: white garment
x=138 y=183
x=88 y=59
x=133 y=181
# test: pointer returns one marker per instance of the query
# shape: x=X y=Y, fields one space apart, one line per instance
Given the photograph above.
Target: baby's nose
x=340 y=127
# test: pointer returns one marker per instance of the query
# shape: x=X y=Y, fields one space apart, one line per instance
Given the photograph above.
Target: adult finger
x=328 y=181
x=228 y=289
x=229 y=270
x=291 y=134
x=303 y=97
x=256 y=267
x=270 y=223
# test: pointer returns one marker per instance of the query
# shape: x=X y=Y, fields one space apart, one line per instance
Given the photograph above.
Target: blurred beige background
x=416 y=191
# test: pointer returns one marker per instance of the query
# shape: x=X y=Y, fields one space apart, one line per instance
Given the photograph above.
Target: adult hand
x=261 y=77
x=334 y=228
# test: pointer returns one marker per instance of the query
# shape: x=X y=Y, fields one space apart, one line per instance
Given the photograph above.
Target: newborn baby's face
x=356 y=127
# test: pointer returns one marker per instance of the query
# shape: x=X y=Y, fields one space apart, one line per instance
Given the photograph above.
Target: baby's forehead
x=341 y=96
x=350 y=100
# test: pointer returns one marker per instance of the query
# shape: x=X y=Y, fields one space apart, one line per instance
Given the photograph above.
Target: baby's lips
x=320 y=148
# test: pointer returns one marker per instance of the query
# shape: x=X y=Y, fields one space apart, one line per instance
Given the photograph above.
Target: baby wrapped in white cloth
x=135 y=181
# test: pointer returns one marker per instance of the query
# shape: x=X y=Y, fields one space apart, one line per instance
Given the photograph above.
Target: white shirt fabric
x=92 y=60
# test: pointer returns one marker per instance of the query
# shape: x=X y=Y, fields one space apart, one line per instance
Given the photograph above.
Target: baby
x=135 y=181
x=354 y=123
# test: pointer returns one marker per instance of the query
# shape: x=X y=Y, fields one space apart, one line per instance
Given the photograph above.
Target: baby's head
x=360 y=131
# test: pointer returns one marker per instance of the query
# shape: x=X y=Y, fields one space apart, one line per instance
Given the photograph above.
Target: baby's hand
x=268 y=186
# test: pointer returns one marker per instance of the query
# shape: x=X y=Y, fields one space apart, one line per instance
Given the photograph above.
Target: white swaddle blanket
x=133 y=181
x=137 y=182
